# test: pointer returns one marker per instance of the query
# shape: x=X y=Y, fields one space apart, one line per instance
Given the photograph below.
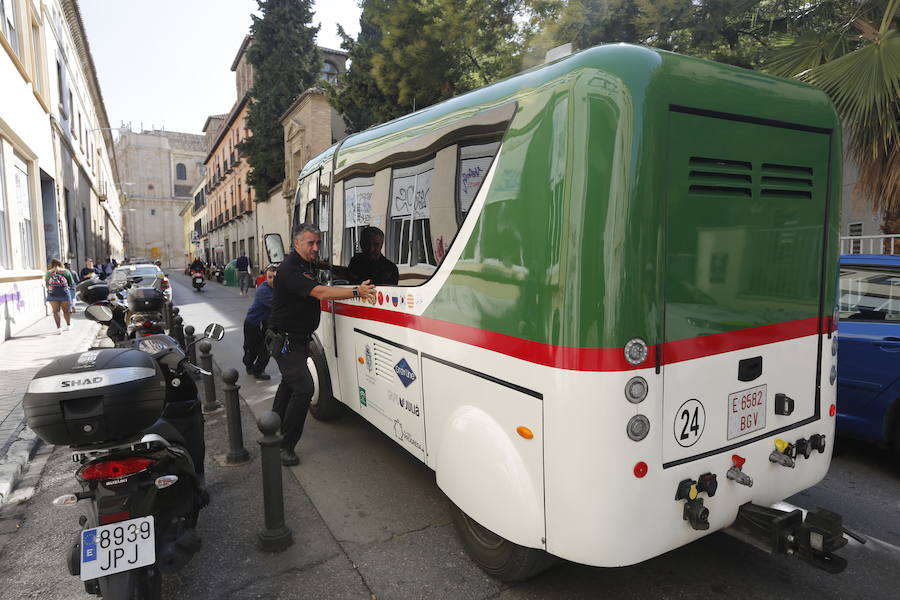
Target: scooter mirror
x=99 y=312
x=214 y=331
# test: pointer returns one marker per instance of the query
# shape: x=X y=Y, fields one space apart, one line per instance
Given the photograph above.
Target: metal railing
x=871 y=244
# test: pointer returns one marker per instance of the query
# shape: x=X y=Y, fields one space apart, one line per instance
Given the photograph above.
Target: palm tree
x=861 y=75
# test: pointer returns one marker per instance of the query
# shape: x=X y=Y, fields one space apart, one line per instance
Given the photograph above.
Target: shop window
x=23 y=205
x=5 y=262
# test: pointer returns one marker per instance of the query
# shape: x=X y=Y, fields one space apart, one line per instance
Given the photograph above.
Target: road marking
x=872 y=541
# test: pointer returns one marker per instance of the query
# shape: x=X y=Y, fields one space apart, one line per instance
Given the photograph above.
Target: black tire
x=324 y=406
x=497 y=556
x=148 y=585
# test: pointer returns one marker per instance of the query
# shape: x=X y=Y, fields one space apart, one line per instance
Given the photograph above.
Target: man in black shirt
x=371 y=263
x=296 y=310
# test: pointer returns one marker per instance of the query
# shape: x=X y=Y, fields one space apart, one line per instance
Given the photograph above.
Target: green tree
x=417 y=53
x=356 y=95
x=857 y=63
x=286 y=62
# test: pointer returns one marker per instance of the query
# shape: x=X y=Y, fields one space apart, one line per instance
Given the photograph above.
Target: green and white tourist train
x=613 y=329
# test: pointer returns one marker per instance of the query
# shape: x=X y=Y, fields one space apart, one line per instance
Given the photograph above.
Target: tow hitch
x=813 y=540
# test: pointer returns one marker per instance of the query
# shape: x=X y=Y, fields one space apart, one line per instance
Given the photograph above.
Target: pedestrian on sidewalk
x=58 y=281
x=256 y=355
x=74 y=276
x=296 y=309
x=242 y=264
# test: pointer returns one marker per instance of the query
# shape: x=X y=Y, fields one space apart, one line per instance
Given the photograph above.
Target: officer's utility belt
x=282 y=342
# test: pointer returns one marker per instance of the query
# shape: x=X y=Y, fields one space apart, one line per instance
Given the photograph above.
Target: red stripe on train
x=583 y=359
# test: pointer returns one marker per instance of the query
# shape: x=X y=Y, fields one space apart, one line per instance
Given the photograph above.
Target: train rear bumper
x=813 y=539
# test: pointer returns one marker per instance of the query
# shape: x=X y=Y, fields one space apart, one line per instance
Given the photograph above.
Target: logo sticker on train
x=746 y=411
x=404 y=372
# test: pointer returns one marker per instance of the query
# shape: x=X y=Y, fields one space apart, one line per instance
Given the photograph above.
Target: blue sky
x=167 y=63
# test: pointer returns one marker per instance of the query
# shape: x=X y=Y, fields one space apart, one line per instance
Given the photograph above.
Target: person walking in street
x=242 y=264
x=58 y=282
x=296 y=310
x=256 y=355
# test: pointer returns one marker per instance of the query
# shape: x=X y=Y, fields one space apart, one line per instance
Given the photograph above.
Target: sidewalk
x=23 y=356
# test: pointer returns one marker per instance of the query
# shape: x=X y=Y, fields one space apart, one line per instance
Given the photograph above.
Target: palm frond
x=797 y=55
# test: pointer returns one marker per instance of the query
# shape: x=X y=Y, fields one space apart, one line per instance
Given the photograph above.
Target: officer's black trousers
x=294 y=393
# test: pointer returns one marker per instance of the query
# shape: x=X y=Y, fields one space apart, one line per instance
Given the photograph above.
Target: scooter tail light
x=147 y=323
x=114 y=469
x=165 y=481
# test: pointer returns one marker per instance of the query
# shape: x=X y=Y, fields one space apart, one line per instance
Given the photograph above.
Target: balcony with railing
x=871 y=244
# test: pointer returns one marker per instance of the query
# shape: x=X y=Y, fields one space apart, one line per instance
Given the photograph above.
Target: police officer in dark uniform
x=295 y=316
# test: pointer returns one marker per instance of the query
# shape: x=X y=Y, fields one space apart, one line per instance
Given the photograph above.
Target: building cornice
x=313 y=91
x=83 y=49
x=232 y=116
x=240 y=52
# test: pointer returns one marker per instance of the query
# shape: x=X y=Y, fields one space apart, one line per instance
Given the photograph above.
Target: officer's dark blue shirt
x=262 y=305
x=293 y=309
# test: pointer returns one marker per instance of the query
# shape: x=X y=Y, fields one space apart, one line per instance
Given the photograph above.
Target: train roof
x=653 y=78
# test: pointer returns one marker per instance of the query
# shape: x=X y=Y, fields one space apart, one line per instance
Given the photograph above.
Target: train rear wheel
x=497 y=556
x=323 y=406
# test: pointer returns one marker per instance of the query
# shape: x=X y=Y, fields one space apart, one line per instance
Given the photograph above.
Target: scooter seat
x=167 y=431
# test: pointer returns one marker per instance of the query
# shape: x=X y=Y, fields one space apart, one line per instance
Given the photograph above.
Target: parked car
x=150 y=275
x=868 y=400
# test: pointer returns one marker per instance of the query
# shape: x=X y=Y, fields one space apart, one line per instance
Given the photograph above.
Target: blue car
x=868 y=399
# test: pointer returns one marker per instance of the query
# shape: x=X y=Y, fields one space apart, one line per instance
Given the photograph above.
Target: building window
x=180 y=172
x=9 y=24
x=36 y=59
x=23 y=204
x=855 y=230
x=152 y=212
x=329 y=72
x=5 y=263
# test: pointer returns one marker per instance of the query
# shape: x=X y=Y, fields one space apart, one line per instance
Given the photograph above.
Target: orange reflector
x=361 y=360
x=524 y=432
x=640 y=469
x=832 y=410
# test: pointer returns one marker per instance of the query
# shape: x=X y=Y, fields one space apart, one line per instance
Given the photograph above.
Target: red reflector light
x=640 y=469
x=114 y=469
x=832 y=410
x=164 y=284
x=114 y=517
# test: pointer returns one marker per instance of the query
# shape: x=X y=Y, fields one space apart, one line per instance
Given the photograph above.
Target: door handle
x=889 y=344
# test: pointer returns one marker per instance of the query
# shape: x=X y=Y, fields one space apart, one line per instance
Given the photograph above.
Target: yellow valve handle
x=693 y=492
x=781 y=445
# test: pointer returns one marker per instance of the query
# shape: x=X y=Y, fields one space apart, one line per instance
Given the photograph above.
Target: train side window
x=411 y=244
x=358 y=194
x=474 y=162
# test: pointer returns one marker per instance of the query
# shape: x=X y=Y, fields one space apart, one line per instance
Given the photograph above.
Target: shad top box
x=96 y=396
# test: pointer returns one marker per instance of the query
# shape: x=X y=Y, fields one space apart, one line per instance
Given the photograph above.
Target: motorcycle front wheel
x=139 y=584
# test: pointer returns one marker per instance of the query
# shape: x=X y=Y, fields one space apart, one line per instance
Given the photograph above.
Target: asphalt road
x=383 y=509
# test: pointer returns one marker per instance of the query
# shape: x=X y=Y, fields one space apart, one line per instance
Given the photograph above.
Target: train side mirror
x=274 y=248
x=214 y=331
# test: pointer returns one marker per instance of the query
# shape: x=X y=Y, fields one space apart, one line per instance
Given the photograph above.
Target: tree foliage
x=285 y=62
x=412 y=54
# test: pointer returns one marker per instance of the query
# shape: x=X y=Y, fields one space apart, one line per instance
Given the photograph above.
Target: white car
x=148 y=272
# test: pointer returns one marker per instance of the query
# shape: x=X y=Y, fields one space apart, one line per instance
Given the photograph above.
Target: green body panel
x=570 y=248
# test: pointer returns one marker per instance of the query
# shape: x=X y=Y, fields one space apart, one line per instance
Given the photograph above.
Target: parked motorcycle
x=219 y=274
x=197 y=280
x=133 y=421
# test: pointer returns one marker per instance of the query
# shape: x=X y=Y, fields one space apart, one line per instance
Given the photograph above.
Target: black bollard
x=190 y=346
x=276 y=536
x=178 y=333
x=168 y=316
x=237 y=454
x=210 y=404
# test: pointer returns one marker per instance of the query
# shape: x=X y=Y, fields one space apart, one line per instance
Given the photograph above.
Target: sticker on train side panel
x=404 y=373
x=690 y=420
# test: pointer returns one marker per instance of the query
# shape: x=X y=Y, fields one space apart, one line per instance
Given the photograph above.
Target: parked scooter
x=133 y=420
x=197 y=280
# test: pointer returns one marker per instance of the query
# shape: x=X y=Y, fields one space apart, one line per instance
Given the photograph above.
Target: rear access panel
x=745 y=217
